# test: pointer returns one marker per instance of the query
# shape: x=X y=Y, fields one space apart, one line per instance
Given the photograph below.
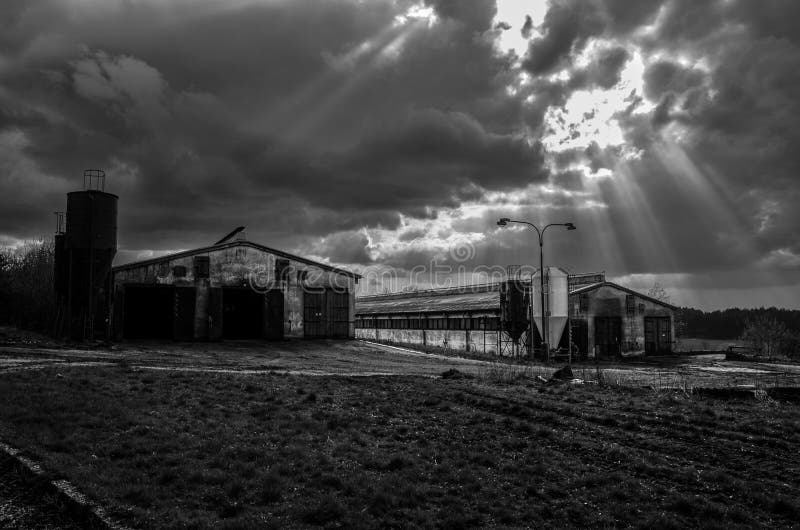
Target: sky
x=388 y=136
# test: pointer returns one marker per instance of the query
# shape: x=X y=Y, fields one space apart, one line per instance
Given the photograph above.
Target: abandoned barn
x=602 y=319
x=235 y=289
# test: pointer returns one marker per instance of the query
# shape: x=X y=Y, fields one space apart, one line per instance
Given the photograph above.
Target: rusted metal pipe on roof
x=229 y=236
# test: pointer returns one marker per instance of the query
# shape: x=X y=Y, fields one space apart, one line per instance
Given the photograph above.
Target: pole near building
x=544 y=324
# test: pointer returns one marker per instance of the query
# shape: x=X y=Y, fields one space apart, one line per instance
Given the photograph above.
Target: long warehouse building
x=603 y=319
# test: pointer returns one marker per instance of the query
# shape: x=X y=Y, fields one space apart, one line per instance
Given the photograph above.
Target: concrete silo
x=84 y=253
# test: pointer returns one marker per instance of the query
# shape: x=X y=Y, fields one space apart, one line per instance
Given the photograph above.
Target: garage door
x=657 y=335
x=326 y=314
x=148 y=312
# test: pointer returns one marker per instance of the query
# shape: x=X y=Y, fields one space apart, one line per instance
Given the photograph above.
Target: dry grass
x=202 y=450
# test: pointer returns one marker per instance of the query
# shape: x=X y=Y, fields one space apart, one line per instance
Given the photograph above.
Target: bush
x=27 y=298
x=766 y=336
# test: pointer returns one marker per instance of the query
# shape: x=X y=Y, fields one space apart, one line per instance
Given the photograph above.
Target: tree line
x=767 y=332
x=27 y=297
x=730 y=324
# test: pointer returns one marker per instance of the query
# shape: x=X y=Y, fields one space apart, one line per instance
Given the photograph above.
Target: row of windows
x=479 y=323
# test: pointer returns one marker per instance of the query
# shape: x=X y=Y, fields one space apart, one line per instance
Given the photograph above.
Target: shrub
x=27 y=297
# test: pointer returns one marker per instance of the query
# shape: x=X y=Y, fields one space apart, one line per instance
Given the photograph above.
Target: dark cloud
x=567 y=26
x=527 y=27
x=475 y=15
x=183 y=112
x=665 y=76
x=344 y=247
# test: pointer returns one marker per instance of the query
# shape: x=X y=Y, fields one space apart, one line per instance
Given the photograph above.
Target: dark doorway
x=326 y=314
x=183 y=313
x=657 y=335
x=274 y=324
x=580 y=336
x=148 y=312
x=242 y=313
x=607 y=336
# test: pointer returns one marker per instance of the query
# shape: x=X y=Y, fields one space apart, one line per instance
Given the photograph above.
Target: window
x=457 y=323
x=281 y=269
x=630 y=304
x=201 y=266
x=179 y=271
x=163 y=269
x=641 y=309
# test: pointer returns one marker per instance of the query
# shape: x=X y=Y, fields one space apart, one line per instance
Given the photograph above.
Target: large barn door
x=215 y=313
x=339 y=312
x=183 y=315
x=242 y=313
x=314 y=314
x=580 y=336
x=657 y=335
x=326 y=314
x=273 y=325
x=607 y=336
x=148 y=311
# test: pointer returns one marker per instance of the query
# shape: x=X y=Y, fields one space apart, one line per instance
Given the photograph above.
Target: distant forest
x=730 y=323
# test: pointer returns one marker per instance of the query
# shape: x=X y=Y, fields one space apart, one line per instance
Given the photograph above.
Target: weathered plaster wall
x=607 y=301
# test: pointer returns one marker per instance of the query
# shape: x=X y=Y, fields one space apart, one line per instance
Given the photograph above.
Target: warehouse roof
x=230 y=244
x=466 y=298
x=592 y=287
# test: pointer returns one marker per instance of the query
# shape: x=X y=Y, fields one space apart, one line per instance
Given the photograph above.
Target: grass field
x=166 y=449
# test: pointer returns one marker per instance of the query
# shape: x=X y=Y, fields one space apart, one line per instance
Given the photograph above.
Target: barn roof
x=230 y=244
x=592 y=287
x=468 y=298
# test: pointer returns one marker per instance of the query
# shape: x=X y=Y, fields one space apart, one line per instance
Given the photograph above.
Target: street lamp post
x=544 y=322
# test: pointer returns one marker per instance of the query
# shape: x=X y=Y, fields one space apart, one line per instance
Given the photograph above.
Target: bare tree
x=26 y=285
x=658 y=292
x=764 y=335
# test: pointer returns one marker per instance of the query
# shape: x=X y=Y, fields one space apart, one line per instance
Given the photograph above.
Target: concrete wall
x=243 y=266
x=460 y=340
x=608 y=301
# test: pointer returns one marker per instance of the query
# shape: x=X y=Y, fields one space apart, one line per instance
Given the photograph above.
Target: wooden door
x=657 y=335
x=339 y=314
x=314 y=314
x=607 y=336
x=274 y=314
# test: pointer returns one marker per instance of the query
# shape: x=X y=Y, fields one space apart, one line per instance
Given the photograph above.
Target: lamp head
x=570 y=226
x=503 y=221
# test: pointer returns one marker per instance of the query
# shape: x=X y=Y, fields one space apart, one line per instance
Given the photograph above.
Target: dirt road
x=359 y=358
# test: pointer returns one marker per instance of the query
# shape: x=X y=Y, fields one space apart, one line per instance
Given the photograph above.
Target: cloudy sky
x=389 y=133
